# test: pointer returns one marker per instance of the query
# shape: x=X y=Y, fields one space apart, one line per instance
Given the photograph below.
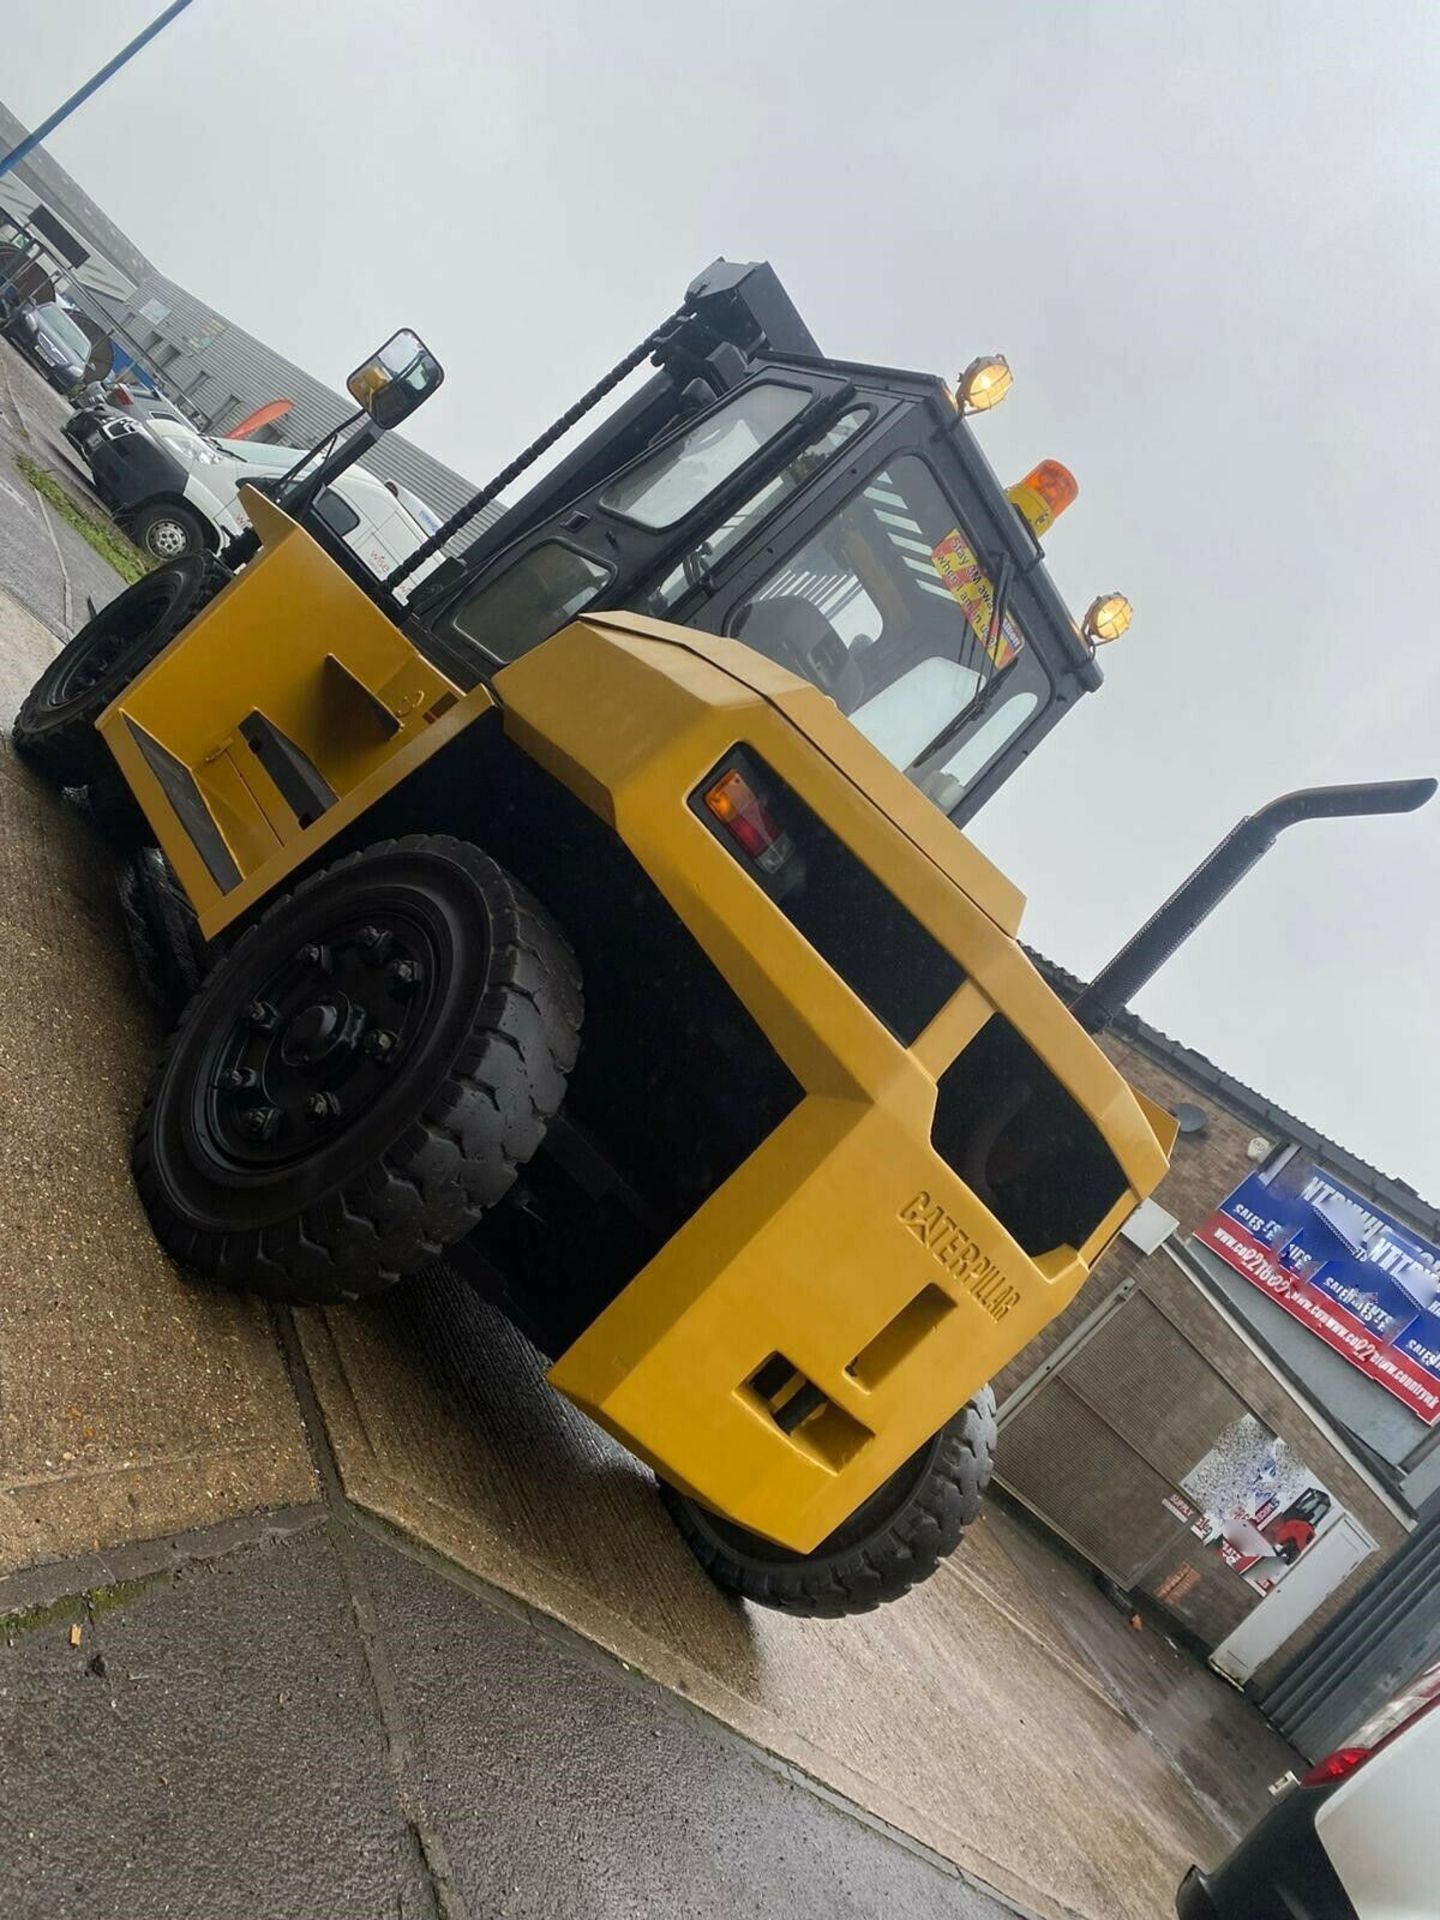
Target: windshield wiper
x=972 y=710
x=985 y=692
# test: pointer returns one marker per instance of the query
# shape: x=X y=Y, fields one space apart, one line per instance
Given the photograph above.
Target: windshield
x=673 y=481
x=58 y=324
x=889 y=610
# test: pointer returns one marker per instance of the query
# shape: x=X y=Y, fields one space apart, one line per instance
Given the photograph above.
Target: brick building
x=1165 y=1357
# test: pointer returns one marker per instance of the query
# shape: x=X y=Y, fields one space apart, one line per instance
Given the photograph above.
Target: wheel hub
x=167 y=539
x=319 y=1040
x=319 y=1030
x=119 y=635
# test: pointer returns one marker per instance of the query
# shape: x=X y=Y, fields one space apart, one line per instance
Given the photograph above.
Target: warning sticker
x=965 y=580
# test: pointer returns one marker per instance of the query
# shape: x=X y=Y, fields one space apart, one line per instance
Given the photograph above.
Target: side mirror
x=394 y=381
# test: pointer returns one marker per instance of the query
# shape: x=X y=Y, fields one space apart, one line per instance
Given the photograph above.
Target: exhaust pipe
x=1117 y=983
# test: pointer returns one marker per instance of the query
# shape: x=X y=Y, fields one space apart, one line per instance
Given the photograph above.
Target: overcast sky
x=1205 y=235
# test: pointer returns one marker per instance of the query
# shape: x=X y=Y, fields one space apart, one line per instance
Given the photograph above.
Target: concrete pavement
x=304 y=1720
x=560 y=1714
x=44 y=563
x=964 y=1716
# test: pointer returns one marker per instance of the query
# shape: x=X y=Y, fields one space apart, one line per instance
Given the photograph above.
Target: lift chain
x=650 y=344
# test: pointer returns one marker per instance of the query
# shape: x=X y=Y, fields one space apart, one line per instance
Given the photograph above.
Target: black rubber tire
x=55 y=727
x=170 y=951
x=411 y=1173
x=111 y=810
x=155 y=530
x=891 y=1543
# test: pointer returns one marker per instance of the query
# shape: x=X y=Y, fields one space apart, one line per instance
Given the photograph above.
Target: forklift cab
x=837 y=518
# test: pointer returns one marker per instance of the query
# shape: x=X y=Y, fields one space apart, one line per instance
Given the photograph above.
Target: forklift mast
x=732 y=313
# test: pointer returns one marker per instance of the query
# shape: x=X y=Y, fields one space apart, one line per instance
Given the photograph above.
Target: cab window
x=671 y=483
x=696 y=566
x=532 y=599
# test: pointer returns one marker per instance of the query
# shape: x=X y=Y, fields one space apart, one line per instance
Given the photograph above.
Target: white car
x=1357 y=1839
x=176 y=491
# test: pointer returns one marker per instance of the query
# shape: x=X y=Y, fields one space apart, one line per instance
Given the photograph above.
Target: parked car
x=383 y=523
x=53 y=340
x=100 y=403
x=1357 y=1839
x=141 y=405
x=170 y=489
x=175 y=491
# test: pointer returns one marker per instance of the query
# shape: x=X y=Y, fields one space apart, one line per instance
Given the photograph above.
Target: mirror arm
x=340 y=457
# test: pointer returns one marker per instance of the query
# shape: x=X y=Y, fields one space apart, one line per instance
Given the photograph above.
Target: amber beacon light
x=1043 y=495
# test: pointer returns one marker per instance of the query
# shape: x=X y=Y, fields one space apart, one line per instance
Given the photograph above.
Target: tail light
x=748 y=821
x=1336 y=1765
x=1378 y=1732
x=834 y=902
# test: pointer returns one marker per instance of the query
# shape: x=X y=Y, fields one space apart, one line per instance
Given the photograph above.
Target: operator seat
x=794 y=633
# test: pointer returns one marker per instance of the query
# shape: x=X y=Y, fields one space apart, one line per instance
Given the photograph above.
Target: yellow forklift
x=679 y=749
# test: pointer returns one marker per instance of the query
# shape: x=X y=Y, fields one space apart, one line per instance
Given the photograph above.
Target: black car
x=53 y=340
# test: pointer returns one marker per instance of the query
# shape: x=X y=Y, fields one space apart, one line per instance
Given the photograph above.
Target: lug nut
x=261 y=1014
x=322 y=1106
x=380 y=1043
x=404 y=976
x=259 y=1122
x=374 y=944
x=315 y=956
x=238 y=1080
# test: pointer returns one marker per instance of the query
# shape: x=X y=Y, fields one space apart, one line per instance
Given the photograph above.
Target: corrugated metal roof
x=69 y=200
x=223 y=371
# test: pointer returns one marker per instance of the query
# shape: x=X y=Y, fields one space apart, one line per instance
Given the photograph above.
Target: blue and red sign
x=1364 y=1284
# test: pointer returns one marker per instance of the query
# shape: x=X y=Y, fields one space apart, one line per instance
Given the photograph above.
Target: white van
x=176 y=491
x=383 y=522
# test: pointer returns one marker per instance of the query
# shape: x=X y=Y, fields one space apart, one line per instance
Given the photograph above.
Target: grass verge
x=103 y=536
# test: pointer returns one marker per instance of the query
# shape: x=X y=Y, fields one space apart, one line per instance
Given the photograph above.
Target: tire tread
x=62 y=745
x=463 y=1151
x=903 y=1550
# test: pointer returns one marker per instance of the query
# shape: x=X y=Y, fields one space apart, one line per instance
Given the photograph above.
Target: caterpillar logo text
x=934 y=1228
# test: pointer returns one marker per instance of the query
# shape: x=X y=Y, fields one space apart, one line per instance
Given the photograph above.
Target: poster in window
x=1261 y=1506
x=968 y=585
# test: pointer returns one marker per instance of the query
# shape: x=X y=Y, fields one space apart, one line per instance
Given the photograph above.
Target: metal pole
x=26 y=249
x=32 y=140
